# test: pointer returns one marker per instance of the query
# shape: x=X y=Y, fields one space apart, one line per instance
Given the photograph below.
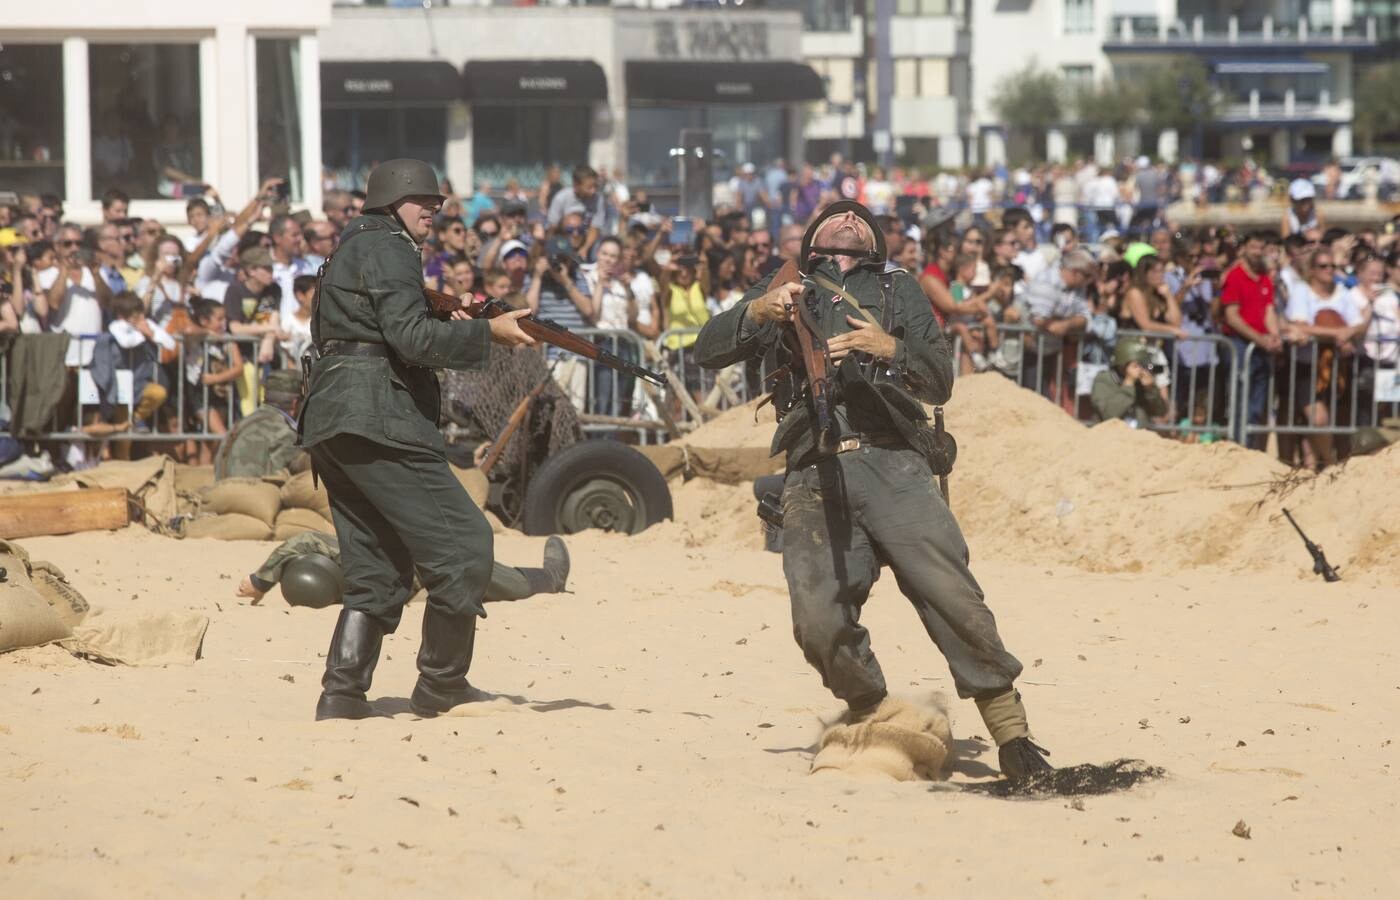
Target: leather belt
x=856 y=441
x=355 y=348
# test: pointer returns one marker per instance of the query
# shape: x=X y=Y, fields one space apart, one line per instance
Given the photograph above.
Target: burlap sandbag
x=900 y=740
x=193 y=479
x=133 y=639
x=478 y=488
x=244 y=496
x=298 y=493
x=229 y=527
x=26 y=619
x=53 y=586
x=291 y=522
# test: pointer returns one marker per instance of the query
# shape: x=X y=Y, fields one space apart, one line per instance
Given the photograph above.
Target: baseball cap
x=510 y=247
x=255 y=258
x=1136 y=252
x=1301 y=189
x=748 y=168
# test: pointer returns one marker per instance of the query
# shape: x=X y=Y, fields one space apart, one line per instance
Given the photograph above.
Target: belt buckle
x=848 y=444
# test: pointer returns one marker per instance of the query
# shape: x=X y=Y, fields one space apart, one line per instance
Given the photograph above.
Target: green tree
x=1110 y=105
x=1180 y=96
x=1030 y=99
x=1378 y=103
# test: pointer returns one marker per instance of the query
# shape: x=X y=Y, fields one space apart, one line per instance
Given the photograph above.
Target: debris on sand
x=1084 y=780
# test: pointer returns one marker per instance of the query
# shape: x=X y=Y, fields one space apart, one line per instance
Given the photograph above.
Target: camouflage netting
x=482 y=401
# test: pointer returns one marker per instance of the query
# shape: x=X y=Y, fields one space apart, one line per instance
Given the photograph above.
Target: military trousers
x=400 y=512
x=843 y=519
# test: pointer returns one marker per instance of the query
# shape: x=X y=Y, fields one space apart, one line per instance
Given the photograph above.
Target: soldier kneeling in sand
x=308 y=567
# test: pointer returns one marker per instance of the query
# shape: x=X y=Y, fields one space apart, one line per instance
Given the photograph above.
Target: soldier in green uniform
x=873 y=502
x=266 y=441
x=507 y=582
x=370 y=423
x=1128 y=391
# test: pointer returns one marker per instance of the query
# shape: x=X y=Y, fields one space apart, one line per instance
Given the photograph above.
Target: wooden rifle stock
x=442 y=306
x=811 y=348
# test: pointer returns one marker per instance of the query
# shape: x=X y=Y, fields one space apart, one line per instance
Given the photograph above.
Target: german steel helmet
x=396 y=179
x=312 y=580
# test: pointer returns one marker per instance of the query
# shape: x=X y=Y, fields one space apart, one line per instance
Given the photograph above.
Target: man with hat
x=867 y=497
x=1302 y=213
x=265 y=441
x=1128 y=391
x=370 y=423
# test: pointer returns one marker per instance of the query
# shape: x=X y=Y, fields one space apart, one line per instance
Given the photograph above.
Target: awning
x=378 y=83
x=535 y=81
x=727 y=82
x=1271 y=67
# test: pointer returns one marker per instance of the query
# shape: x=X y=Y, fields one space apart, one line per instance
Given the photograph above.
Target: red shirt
x=1254 y=295
x=934 y=270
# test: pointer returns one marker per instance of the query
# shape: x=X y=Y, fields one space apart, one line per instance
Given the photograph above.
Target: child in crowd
x=141 y=340
x=296 y=331
x=973 y=324
x=498 y=287
x=211 y=367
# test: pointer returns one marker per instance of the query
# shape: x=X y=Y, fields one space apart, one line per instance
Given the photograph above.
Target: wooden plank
x=62 y=512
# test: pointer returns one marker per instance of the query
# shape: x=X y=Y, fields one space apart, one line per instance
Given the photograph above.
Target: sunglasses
x=1324 y=265
x=69 y=243
x=578 y=229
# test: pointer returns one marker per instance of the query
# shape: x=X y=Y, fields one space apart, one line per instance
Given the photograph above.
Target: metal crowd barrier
x=615 y=401
x=84 y=394
x=1311 y=392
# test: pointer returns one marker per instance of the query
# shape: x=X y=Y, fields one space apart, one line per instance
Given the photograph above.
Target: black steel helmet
x=878 y=255
x=312 y=580
x=396 y=179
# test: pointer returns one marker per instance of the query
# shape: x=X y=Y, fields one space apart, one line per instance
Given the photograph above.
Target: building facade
x=1282 y=70
x=96 y=96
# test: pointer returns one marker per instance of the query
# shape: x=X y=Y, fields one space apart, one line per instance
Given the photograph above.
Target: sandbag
x=159 y=639
x=26 y=619
x=900 y=740
x=193 y=479
x=291 y=522
x=244 y=496
x=478 y=488
x=298 y=493
x=229 y=527
x=53 y=586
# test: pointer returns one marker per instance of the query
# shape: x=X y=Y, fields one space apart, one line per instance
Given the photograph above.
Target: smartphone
x=282 y=190
x=682 y=231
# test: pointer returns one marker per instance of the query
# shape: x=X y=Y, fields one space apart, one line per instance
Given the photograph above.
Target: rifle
x=1320 y=564
x=812 y=353
x=442 y=305
x=517 y=417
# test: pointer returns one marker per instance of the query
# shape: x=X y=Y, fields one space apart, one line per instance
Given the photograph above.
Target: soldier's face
x=847 y=231
x=417 y=214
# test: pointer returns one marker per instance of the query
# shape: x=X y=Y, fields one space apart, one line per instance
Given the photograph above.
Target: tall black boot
x=553 y=575
x=443 y=661
x=350 y=666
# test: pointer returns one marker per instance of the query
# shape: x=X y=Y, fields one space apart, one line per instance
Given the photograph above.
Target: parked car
x=1357 y=171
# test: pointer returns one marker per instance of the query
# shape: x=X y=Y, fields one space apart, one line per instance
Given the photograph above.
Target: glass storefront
x=145 y=119
x=741 y=134
x=279 y=113
x=355 y=139
x=522 y=142
x=31 y=118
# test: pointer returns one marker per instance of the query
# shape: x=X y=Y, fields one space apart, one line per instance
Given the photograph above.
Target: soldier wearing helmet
x=1129 y=390
x=370 y=424
x=870 y=500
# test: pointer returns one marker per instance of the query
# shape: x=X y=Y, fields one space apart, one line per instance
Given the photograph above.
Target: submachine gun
x=1320 y=564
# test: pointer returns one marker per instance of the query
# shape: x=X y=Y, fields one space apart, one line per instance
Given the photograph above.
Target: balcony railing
x=1147 y=31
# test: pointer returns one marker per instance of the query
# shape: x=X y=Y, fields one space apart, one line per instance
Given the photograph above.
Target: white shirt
x=1032 y=262
x=84 y=313
x=644 y=290
x=1382 y=341
x=299 y=337
x=613 y=311
x=979 y=196
x=285 y=275
x=1304 y=305
x=128 y=337
x=216 y=272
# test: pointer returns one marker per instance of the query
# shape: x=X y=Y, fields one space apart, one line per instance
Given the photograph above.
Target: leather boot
x=443 y=661
x=350 y=666
x=553 y=576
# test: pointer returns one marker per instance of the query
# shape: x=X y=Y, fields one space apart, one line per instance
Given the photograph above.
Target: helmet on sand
x=396 y=179
x=312 y=580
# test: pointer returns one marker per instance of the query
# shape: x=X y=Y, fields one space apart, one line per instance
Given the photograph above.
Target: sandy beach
x=652 y=731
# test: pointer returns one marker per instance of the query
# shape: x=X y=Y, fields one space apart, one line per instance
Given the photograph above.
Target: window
x=755 y=134
x=522 y=141
x=826 y=15
x=928 y=8
x=31 y=118
x=145 y=119
x=839 y=76
x=354 y=139
x=906 y=78
x=1079 y=16
x=1077 y=78
x=933 y=78
x=279 y=113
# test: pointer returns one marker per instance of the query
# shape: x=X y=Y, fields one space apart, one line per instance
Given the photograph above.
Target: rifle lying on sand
x=517 y=418
x=543 y=330
x=1320 y=564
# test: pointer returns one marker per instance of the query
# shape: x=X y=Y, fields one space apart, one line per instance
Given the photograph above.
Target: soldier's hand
x=505 y=329
x=866 y=337
x=776 y=305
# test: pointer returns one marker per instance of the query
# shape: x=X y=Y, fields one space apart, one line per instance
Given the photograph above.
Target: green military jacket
x=372 y=291
x=869 y=399
x=1112 y=399
x=263 y=443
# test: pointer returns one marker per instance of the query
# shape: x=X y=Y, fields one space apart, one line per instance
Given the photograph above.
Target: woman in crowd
x=162 y=288
x=974 y=243
x=1375 y=295
x=613 y=304
x=26 y=308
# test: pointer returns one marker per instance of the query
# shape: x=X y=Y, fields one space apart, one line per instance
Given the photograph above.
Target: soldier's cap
x=396 y=179
x=510 y=247
x=1131 y=350
x=938 y=217
x=877 y=255
x=282 y=381
x=255 y=258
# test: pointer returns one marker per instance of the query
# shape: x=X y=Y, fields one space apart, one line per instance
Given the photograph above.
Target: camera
x=560 y=253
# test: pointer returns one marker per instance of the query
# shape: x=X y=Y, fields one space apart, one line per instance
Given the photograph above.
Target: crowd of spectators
x=1035 y=273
